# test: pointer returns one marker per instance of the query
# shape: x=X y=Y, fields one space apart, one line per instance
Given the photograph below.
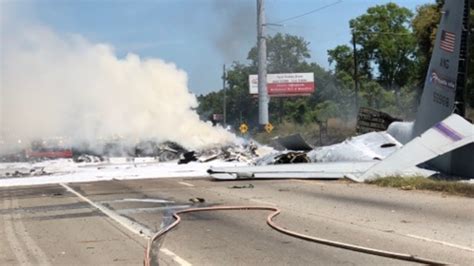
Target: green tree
x=342 y=58
x=284 y=53
x=384 y=37
x=425 y=24
x=242 y=107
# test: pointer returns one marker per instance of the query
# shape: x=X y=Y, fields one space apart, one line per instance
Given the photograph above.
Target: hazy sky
x=197 y=35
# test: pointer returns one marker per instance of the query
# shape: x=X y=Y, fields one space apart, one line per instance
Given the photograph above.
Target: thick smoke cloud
x=238 y=26
x=56 y=85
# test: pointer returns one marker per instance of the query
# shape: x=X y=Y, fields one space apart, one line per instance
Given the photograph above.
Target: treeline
x=393 y=50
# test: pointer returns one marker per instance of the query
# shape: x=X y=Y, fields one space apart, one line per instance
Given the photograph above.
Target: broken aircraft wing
x=330 y=170
x=445 y=136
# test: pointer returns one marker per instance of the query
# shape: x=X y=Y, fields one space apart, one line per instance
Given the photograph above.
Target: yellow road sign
x=269 y=127
x=243 y=128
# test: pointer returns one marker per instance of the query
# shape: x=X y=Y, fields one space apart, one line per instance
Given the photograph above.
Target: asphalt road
x=59 y=225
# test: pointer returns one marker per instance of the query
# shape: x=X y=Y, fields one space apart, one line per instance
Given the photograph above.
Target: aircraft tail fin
x=445 y=81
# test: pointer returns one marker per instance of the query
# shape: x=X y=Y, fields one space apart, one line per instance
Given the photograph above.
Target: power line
x=309 y=12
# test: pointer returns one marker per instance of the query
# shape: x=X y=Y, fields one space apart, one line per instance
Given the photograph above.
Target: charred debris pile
x=160 y=151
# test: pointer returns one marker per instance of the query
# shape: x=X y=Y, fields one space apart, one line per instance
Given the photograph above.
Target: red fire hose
x=276 y=212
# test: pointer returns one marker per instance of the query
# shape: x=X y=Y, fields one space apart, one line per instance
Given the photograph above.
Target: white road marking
x=148 y=210
x=127 y=223
x=312 y=182
x=33 y=249
x=11 y=237
x=137 y=200
x=440 y=242
x=175 y=257
x=17 y=235
x=186 y=184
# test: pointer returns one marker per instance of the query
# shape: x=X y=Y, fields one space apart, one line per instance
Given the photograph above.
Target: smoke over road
x=238 y=27
x=63 y=85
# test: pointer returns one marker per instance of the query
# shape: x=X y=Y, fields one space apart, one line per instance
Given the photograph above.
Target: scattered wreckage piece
x=88 y=158
x=36 y=171
x=237 y=153
x=368 y=147
x=369 y=120
x=294 y=142
x=445 y=136
x=292 y=157
x=188 y=157
x=242 y=187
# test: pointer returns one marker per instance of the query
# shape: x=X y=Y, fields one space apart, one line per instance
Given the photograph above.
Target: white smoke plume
x=56 y=85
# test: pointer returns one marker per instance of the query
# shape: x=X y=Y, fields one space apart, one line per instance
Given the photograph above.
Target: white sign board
x=285 y=84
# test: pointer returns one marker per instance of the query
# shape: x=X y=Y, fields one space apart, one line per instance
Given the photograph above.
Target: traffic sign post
x=243 y=128
x=269 y=127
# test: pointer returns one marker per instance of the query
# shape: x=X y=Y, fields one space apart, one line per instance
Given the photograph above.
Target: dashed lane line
x=186 y=184
x=11 y=237
x=175 y=257
x=33 y=249
x=18 y=236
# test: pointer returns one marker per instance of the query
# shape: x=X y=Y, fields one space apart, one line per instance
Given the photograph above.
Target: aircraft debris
x=331 y=170
x=37 y=171
x=88 y=158
x=197 y=200
x=369 y=120
x=292 y=157
x=445 y=136
x=188 y=157
x=294 y=142
x=368 y=147
x=243 y=186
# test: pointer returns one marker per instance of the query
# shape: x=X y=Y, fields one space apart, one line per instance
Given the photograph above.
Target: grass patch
x=421 y=183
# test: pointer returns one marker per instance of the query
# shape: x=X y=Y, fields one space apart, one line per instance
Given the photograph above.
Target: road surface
x=109 y=223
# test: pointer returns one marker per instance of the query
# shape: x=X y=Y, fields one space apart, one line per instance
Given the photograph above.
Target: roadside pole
x=262 y=66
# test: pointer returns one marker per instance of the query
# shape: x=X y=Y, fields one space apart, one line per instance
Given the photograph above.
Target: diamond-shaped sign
x=243 y=128
x=269 y=127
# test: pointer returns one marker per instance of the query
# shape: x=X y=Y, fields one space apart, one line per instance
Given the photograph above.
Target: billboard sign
x=285 y=84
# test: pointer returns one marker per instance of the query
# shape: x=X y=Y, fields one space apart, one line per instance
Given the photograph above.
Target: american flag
x=448 y=40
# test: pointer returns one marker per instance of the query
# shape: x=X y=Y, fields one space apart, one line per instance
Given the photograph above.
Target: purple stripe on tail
x=448 y=132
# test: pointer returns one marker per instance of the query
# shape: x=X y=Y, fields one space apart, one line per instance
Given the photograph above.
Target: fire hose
x=271 y=216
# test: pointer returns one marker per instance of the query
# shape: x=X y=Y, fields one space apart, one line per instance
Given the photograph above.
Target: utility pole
x=356 y=74
x=262 y=65
x=225 y=94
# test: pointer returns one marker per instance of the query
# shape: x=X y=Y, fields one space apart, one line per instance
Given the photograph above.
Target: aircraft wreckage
x=439 y=140
x=366 y=156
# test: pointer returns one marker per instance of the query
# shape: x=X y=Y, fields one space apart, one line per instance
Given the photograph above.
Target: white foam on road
x=66 y=171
